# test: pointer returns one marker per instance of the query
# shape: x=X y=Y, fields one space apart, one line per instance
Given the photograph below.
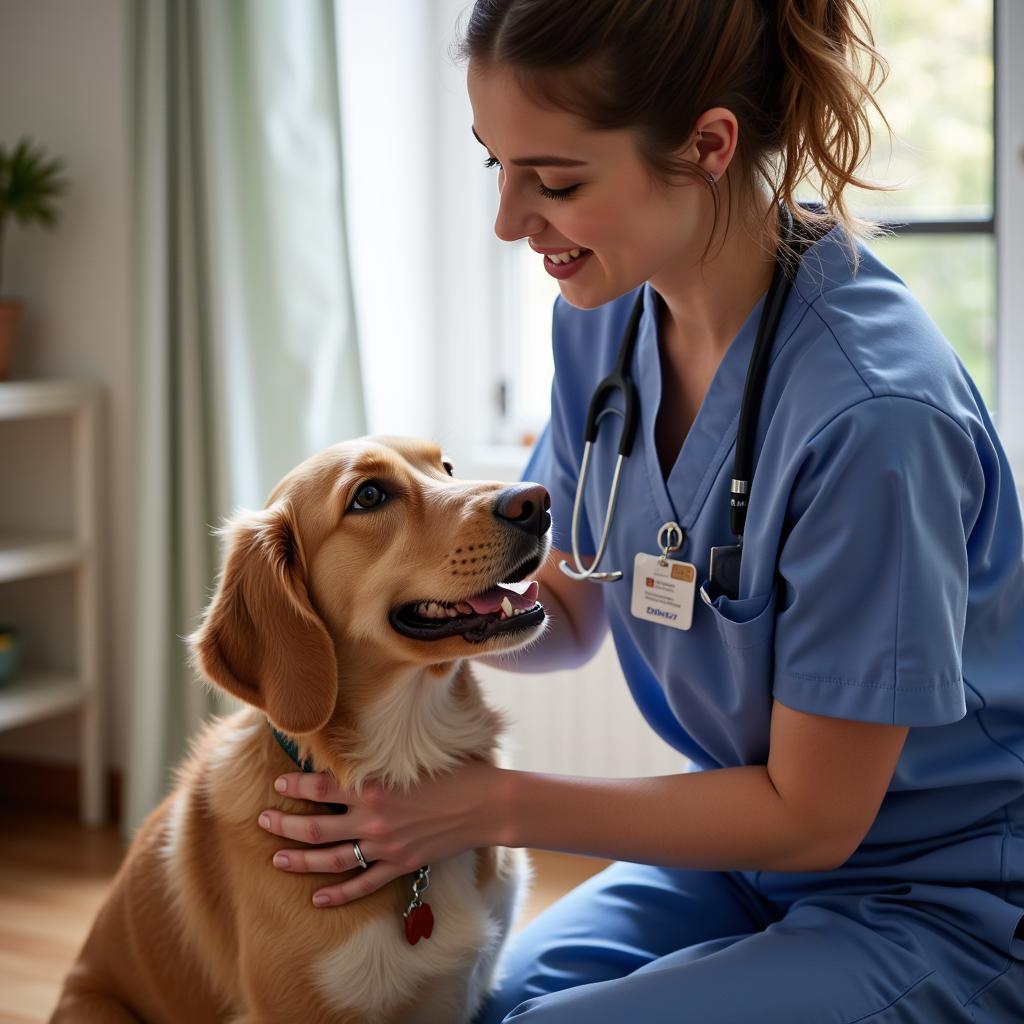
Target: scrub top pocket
x=743 y=679
x=744 y=623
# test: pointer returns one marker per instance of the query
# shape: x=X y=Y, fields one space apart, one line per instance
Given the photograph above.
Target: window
x=943 y=153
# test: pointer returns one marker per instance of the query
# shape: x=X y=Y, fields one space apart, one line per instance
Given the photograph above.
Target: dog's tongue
x=490 y=600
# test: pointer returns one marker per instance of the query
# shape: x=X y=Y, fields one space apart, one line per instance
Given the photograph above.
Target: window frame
x=1008 y=23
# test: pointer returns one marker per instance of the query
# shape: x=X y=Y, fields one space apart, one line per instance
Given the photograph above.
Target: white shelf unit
x=38 y=694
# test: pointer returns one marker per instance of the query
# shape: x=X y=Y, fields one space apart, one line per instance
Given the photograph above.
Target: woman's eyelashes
x=547 y=193
x=555 y=193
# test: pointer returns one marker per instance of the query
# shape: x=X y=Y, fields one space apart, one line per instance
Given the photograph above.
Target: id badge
x=663 y=590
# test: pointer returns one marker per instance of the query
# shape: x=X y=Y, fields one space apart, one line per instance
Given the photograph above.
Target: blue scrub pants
x=637 y=944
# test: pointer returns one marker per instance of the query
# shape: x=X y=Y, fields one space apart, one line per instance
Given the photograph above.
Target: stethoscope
x=724 y=561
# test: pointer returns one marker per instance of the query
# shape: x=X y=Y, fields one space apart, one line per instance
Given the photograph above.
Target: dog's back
x=136 y=953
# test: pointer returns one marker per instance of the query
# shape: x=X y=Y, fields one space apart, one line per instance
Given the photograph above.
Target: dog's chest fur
x=440 y=979
x=414 y=730
x=373 y=973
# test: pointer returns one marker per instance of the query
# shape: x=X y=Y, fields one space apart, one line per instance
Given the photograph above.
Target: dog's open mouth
x=506 y=607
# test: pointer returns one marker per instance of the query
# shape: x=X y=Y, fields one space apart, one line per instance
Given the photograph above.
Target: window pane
x=532 y=365
x=953 y=277
x=938 y=99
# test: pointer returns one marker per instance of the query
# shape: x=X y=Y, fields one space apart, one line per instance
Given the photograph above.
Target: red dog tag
x=419 y=923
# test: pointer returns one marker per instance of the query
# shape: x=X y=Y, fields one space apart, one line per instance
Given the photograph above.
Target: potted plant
x=29 y=183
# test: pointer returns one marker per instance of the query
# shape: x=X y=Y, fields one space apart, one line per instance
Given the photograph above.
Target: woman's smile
x=566 y=265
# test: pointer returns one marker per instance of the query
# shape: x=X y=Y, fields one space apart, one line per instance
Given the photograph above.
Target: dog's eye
x=449 y=467
x=369 y=496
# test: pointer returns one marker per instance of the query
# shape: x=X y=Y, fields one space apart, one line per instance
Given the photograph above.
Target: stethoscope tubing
x=591 y=574
x=619 y=379
x=786 y=265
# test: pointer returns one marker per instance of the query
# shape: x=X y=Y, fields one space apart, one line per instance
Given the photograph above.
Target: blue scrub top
x=883 y=565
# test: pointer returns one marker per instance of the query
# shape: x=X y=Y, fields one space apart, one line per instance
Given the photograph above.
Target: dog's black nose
x=525 y=506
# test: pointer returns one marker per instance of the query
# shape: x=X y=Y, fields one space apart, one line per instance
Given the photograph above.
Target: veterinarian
x=850 y=844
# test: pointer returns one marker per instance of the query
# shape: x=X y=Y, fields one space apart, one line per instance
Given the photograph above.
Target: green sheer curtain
x=247 y=356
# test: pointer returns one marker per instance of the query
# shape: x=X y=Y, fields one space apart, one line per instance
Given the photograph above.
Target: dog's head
x=370 y=550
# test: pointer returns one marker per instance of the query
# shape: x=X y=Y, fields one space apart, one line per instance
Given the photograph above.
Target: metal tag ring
x=670 y=528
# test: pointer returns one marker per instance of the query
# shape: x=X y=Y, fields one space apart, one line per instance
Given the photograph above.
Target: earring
x=708 y=174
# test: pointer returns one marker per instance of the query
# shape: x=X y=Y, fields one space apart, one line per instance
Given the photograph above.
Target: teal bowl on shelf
x=10 y=652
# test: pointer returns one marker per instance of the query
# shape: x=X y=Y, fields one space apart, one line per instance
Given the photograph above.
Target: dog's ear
x=260 y=638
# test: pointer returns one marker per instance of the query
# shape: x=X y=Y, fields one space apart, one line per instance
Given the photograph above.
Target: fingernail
x=281 y=860
x=281 y=785
x=321 y=900
x=264 y=821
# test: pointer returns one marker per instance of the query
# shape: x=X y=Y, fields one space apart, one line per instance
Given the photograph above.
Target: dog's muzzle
x=480 y=623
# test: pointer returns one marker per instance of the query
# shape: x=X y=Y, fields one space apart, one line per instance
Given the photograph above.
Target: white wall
x=64 y=80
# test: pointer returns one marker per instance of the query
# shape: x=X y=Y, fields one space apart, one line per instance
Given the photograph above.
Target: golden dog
x=344 y=615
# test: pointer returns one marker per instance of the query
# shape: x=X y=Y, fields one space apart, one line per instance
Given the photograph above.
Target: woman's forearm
x=725 y=819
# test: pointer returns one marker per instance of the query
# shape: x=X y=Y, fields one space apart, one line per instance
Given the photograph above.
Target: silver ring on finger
x=360 y=859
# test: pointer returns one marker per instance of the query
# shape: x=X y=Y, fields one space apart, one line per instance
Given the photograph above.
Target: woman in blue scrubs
x=850 y=844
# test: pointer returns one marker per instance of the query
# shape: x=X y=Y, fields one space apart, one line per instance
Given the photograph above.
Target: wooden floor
x=53 y=876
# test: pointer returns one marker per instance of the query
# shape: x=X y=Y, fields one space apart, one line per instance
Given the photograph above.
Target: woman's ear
x=260 y=638
x=717 y=134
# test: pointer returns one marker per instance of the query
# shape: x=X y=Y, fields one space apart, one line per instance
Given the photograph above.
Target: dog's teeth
x=432 y=610
x=506 y=607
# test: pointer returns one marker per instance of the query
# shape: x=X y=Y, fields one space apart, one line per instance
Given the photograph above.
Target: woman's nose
x=516 y=219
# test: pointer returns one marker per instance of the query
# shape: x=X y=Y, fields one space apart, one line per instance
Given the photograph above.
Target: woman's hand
x=398 y=832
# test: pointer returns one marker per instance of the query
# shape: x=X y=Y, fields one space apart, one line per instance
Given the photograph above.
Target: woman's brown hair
x=799 y=75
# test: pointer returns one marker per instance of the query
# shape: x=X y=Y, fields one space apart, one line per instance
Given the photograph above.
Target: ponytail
x=827 y=72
